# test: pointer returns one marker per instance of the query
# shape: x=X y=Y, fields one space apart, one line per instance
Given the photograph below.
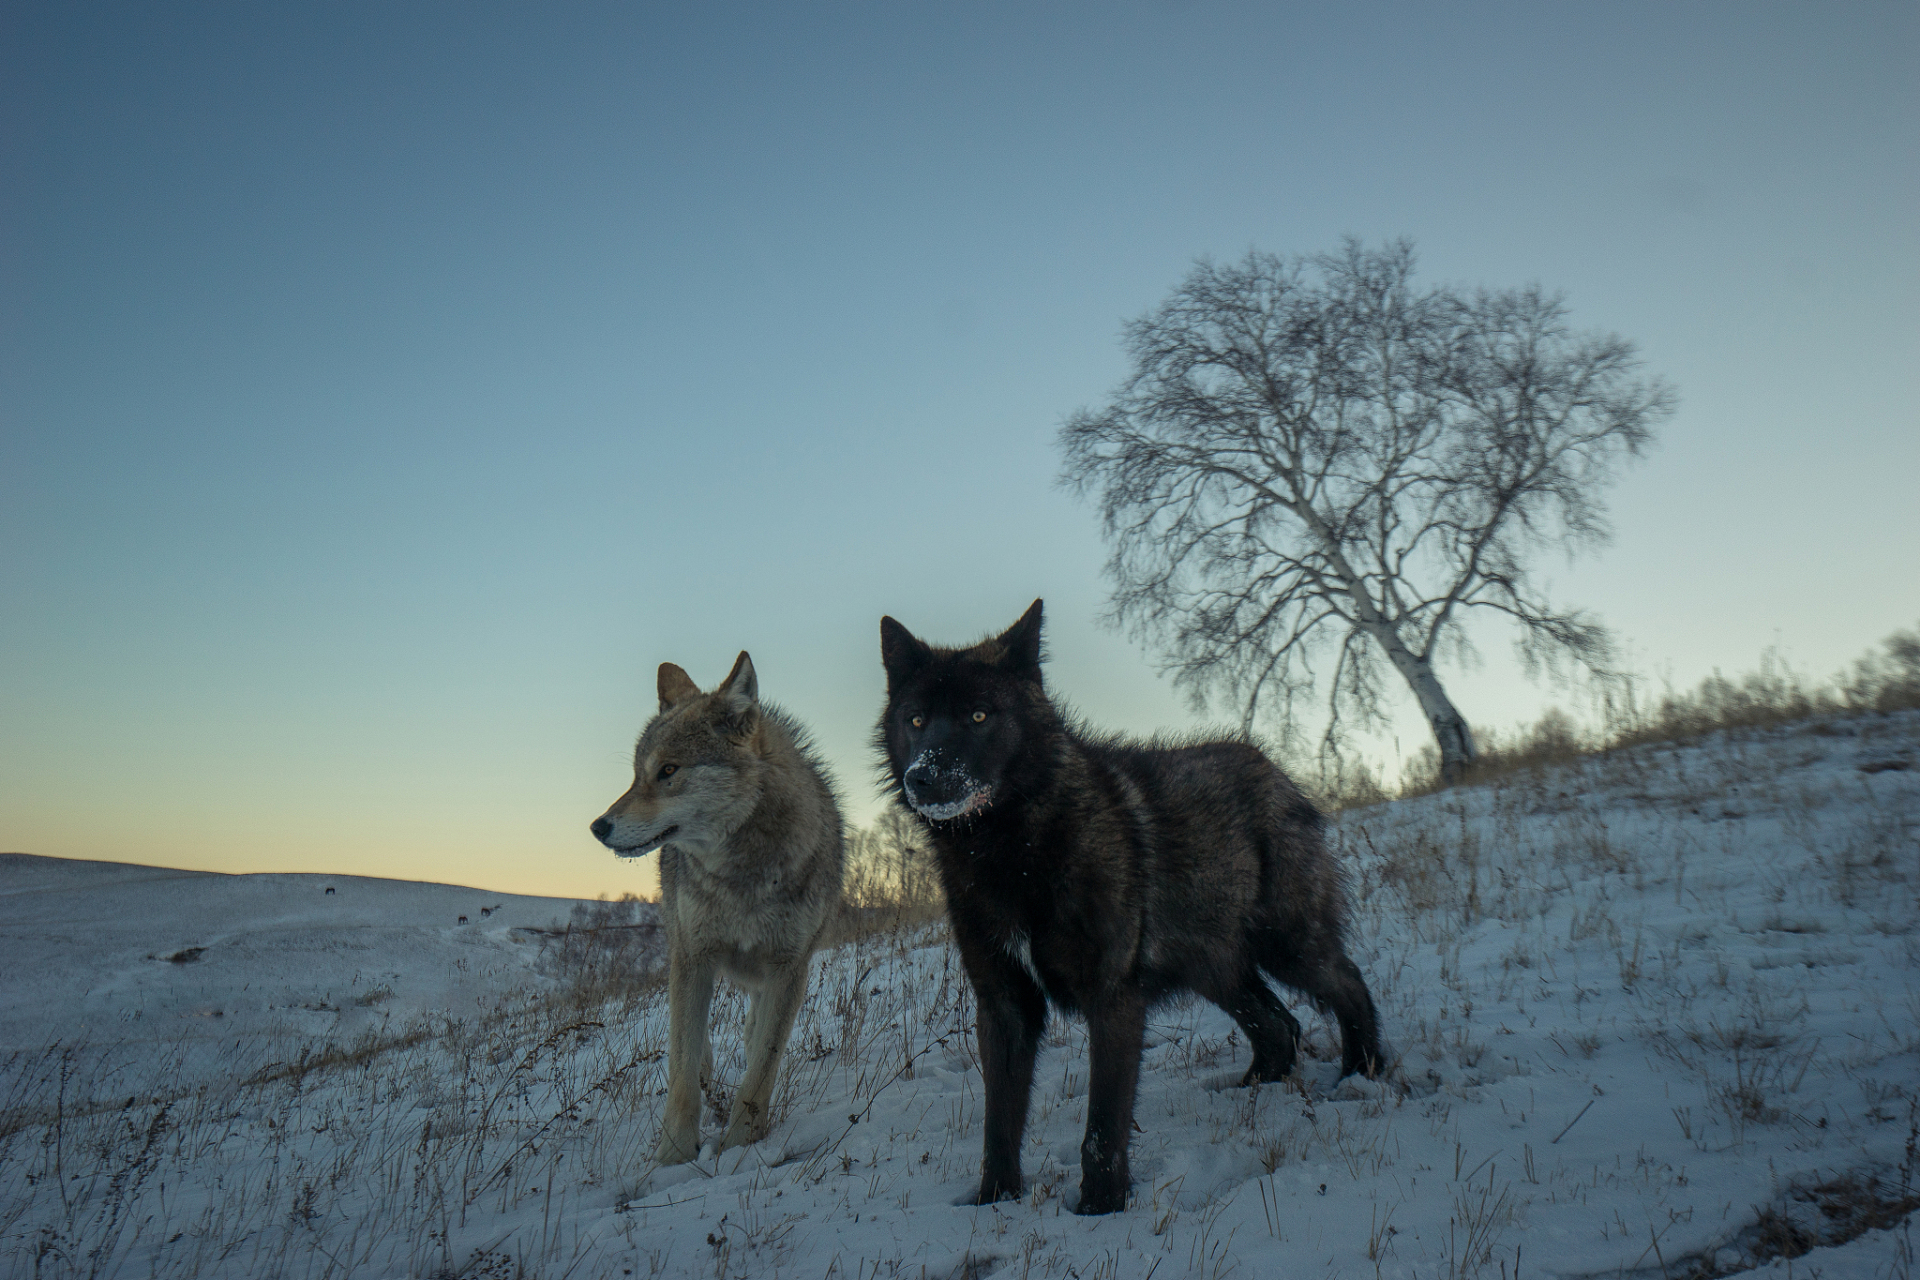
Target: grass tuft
x=1880 y=682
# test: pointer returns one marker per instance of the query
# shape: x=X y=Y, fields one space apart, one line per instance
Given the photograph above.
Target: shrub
x=1883 y=680
x=608 y=948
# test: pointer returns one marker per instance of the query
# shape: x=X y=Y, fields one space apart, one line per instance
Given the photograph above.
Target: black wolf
x=1105 y=875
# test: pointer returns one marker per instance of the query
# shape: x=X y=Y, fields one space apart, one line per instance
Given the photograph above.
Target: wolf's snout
x=926 y=784
x=942 y=793
x=602 y=829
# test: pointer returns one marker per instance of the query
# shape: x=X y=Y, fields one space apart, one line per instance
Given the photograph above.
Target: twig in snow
x=1572 y=1122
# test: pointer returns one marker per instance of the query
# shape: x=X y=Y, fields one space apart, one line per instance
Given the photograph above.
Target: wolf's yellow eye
x=979 y=717
x=668 y=770
x=918 y=722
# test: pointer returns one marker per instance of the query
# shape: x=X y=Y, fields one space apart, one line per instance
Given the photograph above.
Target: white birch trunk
x=1450 y=731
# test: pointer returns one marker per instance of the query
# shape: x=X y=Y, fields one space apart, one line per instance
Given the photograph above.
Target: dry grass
x=609 y=951
x=1803 y=1219
x=1881 y=681
x=891 y=882
x=402 y=1150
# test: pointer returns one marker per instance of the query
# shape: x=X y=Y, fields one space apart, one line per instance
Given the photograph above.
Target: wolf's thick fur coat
x=751 y=856
x=1103 y=875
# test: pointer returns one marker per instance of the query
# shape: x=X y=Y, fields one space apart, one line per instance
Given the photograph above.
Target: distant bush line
x=1883 y=680
x=617 y=948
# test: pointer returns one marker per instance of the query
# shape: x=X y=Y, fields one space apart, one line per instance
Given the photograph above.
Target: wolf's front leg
x=1012 y=1015
x=689 y=993
x=1116 y=1030
x=769 y=1023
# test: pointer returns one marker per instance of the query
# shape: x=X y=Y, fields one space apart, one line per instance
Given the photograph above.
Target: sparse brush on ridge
x=608 y=949
x=891 y=881
x=1883 y=680
x=615 y=949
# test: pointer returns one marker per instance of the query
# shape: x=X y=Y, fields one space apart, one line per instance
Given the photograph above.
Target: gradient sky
x=385 y=390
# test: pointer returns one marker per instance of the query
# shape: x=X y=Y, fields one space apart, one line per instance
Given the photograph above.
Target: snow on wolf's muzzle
x=943 y=791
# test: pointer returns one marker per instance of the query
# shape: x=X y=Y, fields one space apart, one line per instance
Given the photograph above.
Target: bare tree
x=891 y=864
x=1316 y=466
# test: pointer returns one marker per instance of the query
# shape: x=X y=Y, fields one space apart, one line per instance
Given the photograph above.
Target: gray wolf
x=751 y=856
x=1104 y=875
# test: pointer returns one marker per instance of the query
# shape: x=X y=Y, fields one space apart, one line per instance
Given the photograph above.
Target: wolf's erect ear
x=900 y=653
x=741 y=688
x=1021 y=641
x=739 y=696
x=675 y=686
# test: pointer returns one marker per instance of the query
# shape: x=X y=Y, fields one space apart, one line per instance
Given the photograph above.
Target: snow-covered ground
x=114 y=952
x=1656 y=1014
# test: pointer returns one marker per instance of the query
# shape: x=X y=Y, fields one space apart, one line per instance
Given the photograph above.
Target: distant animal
x=1104 y=875
x=728 y=788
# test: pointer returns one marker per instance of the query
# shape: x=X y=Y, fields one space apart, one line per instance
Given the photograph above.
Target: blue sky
x=386 y=390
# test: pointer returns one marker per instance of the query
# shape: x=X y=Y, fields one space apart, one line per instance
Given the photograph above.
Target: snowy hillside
x=1656 y=1014
x=110 y=952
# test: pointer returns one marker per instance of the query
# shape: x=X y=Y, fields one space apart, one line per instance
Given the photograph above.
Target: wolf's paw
x=1372 y=1060
x=1103 y=1196
x=995 y=1189
x=677 y=1148
x=743 y=1130
x=1268 y=1069
x=737 y=1137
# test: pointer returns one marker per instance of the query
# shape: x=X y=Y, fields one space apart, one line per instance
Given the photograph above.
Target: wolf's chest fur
x=743 y=911
x=1025 y=898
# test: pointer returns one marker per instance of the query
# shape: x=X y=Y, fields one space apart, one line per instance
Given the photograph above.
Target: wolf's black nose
x=919 y=780
x=927 y=783
x=602 y=829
